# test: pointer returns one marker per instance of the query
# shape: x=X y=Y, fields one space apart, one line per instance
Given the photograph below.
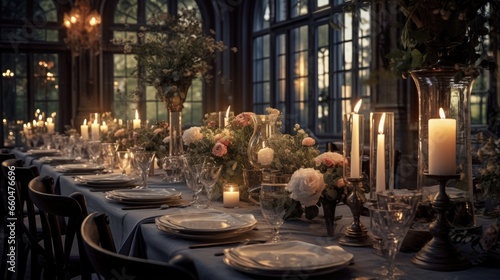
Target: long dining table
x=136 y=234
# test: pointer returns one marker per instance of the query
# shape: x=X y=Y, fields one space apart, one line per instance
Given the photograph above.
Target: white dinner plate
x=78 y=168
x=46 y=152
x=207 y=223
x=208 y=236
x=105 y=180
x=145 y=194
x=279 y=257
x=57 y=159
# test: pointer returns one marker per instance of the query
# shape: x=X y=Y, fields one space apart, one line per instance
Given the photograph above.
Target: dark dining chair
x=99 y=245
x=28 y=231
x=61 y=217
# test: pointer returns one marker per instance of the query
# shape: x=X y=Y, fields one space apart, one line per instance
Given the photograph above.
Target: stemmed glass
x=94 y=149
x=391 y=217
x=192 y=169
x=108 y=153
x=142 y=161
x=123 y=160
x=173 y=166
x=209 y=175
x=272 y=200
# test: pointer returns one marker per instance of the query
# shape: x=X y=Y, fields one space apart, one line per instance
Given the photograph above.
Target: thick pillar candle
x=380 y=177
x=50 y=126
x=95 y=131
x=442 y=145
x=231 y=195
x=137 y=121
x=84 y=130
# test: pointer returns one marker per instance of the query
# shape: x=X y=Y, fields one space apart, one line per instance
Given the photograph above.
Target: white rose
x=306 y=186
x=265 y=156
x=192 y=135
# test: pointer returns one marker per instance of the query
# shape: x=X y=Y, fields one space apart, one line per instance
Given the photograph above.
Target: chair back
x=99 y=245
x=59 y=239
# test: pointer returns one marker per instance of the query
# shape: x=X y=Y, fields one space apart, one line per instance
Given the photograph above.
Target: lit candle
x=104 y=127
x=226 y=118
x=120 y=122
x=355 y=153
x=137 y=121
x=40 y=121
x=50 y=126
x=231 y=195
x=95 y=130
x=84 y=130
x=442 y=145
x=380 y=179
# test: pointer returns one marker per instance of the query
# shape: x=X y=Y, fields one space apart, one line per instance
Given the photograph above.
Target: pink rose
x=306 y=186
x=219 y=149
x=243 y=119
x=120 y=132
x=308 y=142
x=330 y=159
x=158 y=130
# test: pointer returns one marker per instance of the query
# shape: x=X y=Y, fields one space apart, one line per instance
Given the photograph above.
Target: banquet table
x=135 y=234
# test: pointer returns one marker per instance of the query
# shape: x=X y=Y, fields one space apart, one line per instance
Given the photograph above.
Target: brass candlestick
x=439 y=253
x=356 y=234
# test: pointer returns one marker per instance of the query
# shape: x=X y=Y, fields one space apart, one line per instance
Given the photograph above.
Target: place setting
x=106 y=181
x=154 y=197
x=59 y=160
x=206 y=225
x=42 y=152
x=79 y=169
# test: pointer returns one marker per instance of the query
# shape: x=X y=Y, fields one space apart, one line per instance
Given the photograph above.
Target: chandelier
x=82 y=25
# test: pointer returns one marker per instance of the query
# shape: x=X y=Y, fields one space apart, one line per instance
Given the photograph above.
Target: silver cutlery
x=224 y=243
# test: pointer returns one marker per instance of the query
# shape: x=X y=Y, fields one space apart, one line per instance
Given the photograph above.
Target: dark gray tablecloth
x=150 y=242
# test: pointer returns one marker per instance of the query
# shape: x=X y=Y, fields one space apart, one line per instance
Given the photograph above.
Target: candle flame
x=358 y=106
x=40 y=117
x=227 y=112
x=103 y=123
x=136 y=114
x=381 y=124
x=95 y=121
x=49 y=120
x=231 y=189
x=85 y=122
x=441 y=113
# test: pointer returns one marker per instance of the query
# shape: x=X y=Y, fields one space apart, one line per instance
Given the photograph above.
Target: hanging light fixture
x=82 y=25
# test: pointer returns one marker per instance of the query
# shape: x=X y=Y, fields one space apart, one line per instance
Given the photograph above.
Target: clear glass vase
x=260 y=154
x=437 y=88
x=175 y=147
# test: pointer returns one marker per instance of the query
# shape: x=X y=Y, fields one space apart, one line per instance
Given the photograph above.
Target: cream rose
x=192 y=135
x=265 y=156
x=306 y=186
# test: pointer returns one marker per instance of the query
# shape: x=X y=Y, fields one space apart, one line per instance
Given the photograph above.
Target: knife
x=222 y=243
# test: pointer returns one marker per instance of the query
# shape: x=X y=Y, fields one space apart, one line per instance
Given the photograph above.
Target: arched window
x=32 y=54
x=310 y=59
x=129 y=16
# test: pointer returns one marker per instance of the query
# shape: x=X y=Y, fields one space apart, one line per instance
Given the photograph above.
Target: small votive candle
x=231 y=195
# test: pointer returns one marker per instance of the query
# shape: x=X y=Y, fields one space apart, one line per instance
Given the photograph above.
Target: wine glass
x=192 y=169
x=108 y=153
x=142 y=161
x=208 y=176
x=123 y=160
x=94 y=149
x=173 y=166
x=391 y=218
x=272 y=200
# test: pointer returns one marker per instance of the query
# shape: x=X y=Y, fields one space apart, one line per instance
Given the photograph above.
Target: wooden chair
x=63 y=254
x=27 y=232
x=99 y=245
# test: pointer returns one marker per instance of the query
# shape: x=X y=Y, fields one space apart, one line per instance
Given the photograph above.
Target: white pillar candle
x=104 y=127
x=355 y=153
x=380 y=179
x=40 y=121
x=137 y=121
x=442 y=145
x=50 y=126
x=231 y=195
x=95 y=130
x=84 y=130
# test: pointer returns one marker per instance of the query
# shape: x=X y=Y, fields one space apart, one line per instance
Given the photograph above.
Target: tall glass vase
x=175 y=147
x=260 y=154
x=437 y=88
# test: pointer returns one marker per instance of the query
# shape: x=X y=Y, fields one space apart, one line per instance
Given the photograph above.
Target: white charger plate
x=276 y=258
x=207 y=223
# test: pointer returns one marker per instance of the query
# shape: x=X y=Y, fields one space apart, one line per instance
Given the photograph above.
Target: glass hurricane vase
x=442 y=88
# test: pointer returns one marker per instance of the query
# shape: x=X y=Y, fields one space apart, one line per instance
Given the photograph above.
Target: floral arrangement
x=488 y=181
x=150 y=137
x=445 y=31
x=173 y=50
x=229 y=147
x=324 y=183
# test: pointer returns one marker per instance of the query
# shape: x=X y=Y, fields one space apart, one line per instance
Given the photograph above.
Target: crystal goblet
x=272 y=201
x=209 y=175
x=142 y=161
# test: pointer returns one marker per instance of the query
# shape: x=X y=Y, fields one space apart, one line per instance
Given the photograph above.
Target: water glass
x=209 y=175
x=123 y=159
x=173 y=166
x=272 y=201
x=94 y=149
x=142 y=161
